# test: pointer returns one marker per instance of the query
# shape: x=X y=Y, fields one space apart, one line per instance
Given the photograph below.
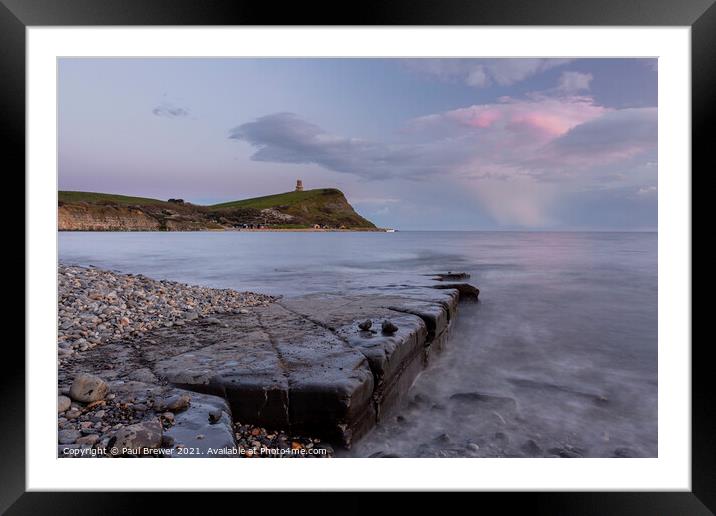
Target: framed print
x=455 y=237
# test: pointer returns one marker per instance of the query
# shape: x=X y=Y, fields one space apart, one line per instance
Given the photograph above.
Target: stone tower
x=299 y=185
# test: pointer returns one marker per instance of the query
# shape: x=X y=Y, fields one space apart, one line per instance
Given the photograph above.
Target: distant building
x=299 y=185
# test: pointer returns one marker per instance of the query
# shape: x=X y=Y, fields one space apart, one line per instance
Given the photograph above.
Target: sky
x=433 y=144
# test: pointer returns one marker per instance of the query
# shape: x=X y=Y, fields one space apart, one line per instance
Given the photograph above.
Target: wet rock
x=452 y=276
x=63 y=403
x=175 y=403
x=133 y=438
x=388 y=327
x=143 y=375
x=68 y=436
x=466 y=290
x=215 y=416
x=365 y=325
x=193 y=422
x=88 y=388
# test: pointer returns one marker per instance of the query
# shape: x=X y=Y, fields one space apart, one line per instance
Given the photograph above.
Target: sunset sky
x=461 y=144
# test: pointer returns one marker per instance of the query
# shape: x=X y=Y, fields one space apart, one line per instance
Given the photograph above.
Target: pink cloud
x=484 y=118
x=543 y=118
x=545 y=123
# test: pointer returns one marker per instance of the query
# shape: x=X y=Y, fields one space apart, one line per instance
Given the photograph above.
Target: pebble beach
x=97 y=306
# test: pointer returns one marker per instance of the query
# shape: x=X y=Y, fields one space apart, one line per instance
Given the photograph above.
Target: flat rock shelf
x=304 y=365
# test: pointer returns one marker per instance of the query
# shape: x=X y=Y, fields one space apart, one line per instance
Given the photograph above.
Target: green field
x=94 y=197
x=283 y=199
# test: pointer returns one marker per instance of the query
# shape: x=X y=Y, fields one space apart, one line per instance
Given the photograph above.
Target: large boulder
x=87 y=388
x=130 y=440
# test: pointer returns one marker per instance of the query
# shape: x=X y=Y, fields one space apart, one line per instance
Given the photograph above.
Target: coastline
x=233 y=230
x=154 y=365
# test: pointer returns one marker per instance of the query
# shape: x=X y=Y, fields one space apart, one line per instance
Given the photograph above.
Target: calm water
x=559 y=357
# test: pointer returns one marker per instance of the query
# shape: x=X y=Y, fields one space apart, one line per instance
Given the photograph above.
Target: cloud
x=287 y=138
x=168 y=110
x=574 y=82
x=537 y=119
x=646 y=191
x=617 y=135
x=481 y=73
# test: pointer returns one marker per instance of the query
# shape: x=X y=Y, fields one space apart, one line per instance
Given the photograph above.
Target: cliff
x=326 y=208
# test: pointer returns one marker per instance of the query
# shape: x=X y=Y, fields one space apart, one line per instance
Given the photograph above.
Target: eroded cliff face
x=110 y=217
x=77 y=217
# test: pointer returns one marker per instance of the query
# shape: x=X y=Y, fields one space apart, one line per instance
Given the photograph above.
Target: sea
x=557 y=359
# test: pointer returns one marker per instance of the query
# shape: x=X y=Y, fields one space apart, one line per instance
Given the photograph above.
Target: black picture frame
x=700 y=15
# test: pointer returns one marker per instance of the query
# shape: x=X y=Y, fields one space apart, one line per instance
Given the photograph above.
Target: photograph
x=357 y=257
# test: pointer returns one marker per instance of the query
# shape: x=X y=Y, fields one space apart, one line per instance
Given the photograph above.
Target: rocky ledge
x=202 y=372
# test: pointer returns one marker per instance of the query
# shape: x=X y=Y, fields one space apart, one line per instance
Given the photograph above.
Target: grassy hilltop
x=68 y=197
x=322 y=206
x=325 y=207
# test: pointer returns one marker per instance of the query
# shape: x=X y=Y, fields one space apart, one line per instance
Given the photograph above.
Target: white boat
x=390 y=231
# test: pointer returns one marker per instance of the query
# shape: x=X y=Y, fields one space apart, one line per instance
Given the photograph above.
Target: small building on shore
x=299 y=185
